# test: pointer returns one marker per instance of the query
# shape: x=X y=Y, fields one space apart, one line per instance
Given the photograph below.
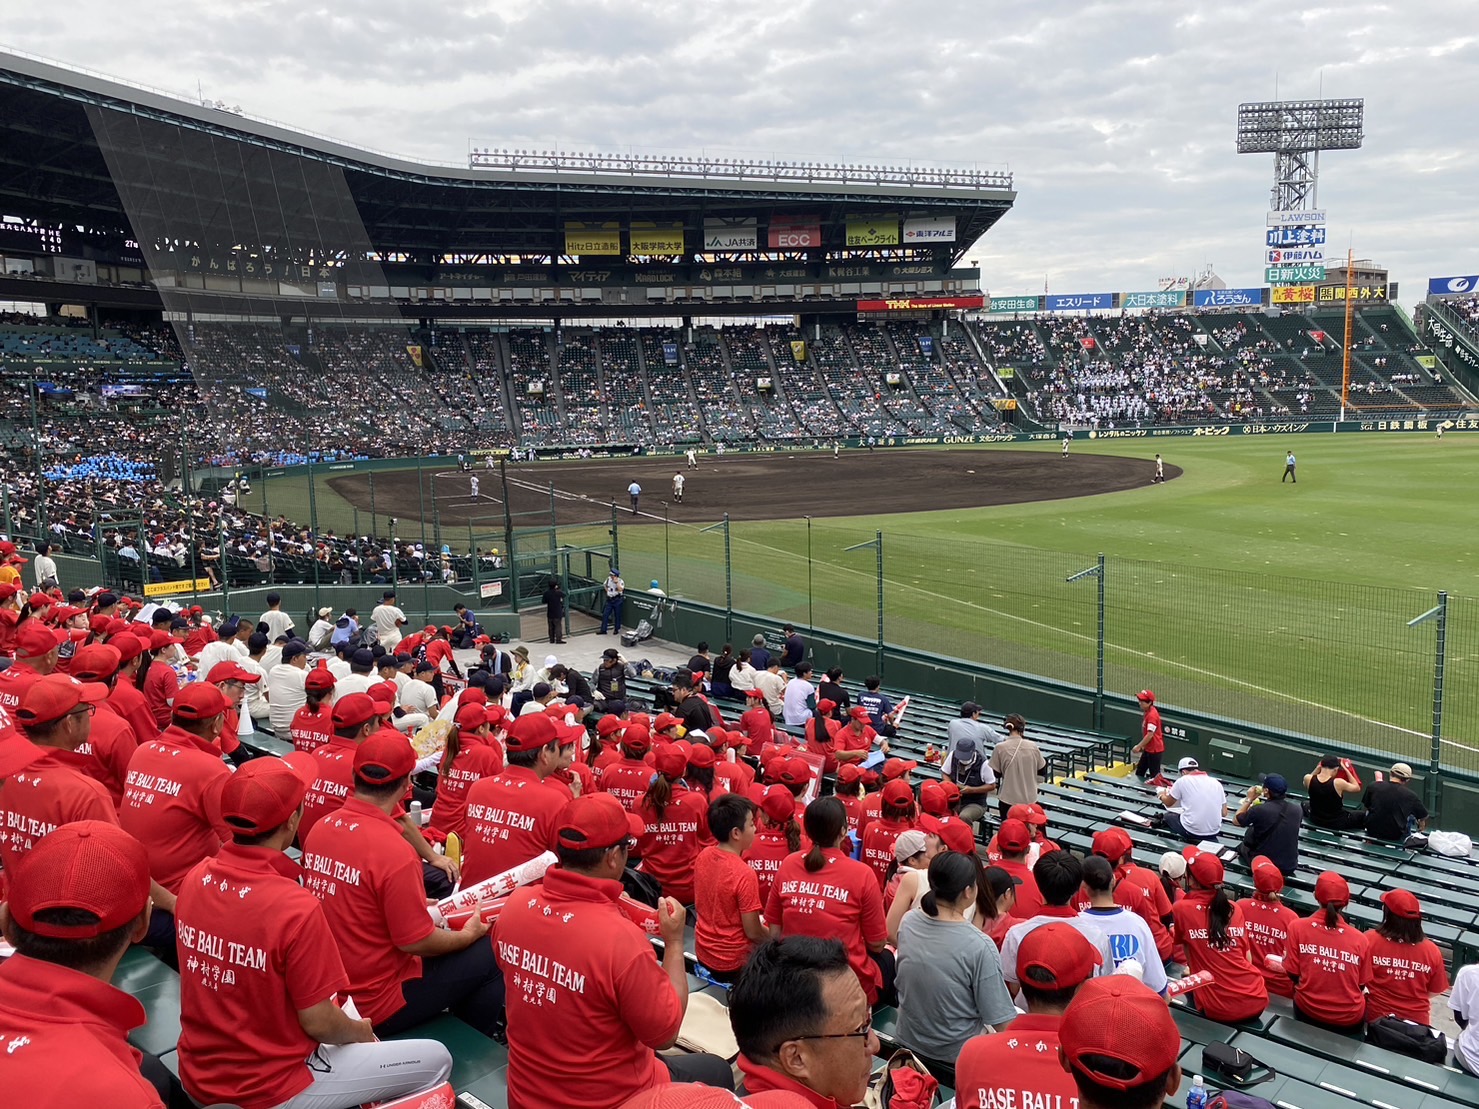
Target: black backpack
x=1415 y=1040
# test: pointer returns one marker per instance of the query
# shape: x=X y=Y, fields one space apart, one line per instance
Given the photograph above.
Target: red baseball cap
x=596 y=820
x=932 y=799
x=354 y=710
x=88 y=865
x=229 y=672
x=1403 y=904
x=471 y=717
x=320 y=679
x=497 y=714
x=1331 y=888
x=472 y=696
x=33 y=639
x=54 y=696
x=755 y=693
x=952 y=790
x=384 y=757
x=159 y=639
x=531 y=732
x=265 y=792
x=1145 y=695
x=858 y=712
x=1061 y=953
x=609 y=725
x=1013 y=836
x=634 y=737
x=898 y=793
x=670 y=761
x=778 y=804
x=129 y=646
x=849 y=772
x=665 y=721
x=825 y=705
x=897 y=768
x=1207 y=869
x=9 y=589
x=41 y=600
x=702 y=756
x=796 y=772
x=96 y=660
x=1113 y=843
x=954 y=832
x=1267 y=878
x=1116 y=1017
x=199 y=701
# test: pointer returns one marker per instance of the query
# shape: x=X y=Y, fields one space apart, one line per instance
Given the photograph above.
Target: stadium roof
x=79 y=149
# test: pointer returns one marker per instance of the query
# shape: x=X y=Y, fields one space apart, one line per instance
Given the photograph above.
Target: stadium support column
x=615 y=544
x=1345 y=361
x=221 y=547
x=728 y=580
x=359 y=555
x=41 y=512
x=1096 y=571
x=143 y=555
x=472 y=555
x=10 y=531
x=510 y=554
x=313 y=530
x=421 y=496
x=876 y=543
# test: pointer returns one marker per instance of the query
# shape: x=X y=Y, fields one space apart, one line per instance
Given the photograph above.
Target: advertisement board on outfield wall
x=1293 y=294
x=581 y=238
x=1329 y=294
x=1452 y=286
x=796 y=233
x=1014 y=304
x=1296 y=219
x=1078 y=302
x=930 y=230
x=731 y=234
x=1158 y=299
x=653 y=238
x=872 y=232
x=919 y=304
x=1226 y=298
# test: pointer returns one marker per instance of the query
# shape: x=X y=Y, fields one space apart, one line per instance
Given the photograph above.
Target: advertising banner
x=941 y=230
x=872 y=232
x=1296 y=219
x=794 y=233
x=1427 y=361
x=1166 y=298
x=798 y=350
x=1294 y=256
x=657 y=238
x=920 y=304
x=1452 y=286
x=1226 y=298
x=583 y=238
x=1293 y=275
x=1172 y=284
x=1014 y=304
x=670 y=354
x=1293 y=294
x=731 y=234
x=927 y=346
x=169 y=588
x=1329 y=294
x=1295 y=236
x=414 y=350
x=1078 y=302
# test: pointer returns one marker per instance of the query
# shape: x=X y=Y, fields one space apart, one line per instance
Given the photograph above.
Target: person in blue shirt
x=880 y=707
x=759 y=654
x=1288 y=469
x=635 y=491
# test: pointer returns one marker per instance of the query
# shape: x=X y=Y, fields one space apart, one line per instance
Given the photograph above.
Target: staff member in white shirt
x=799 y=702
x=45 y=567
x=1197 y=803
x=388 y=621
x=285 y=690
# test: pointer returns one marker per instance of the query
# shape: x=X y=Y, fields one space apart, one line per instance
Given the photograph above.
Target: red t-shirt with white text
x=841 y=901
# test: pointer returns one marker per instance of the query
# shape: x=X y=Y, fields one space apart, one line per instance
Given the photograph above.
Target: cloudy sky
x=1117 y=118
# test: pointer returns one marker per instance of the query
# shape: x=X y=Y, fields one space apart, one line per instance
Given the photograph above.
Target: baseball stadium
x=246 y=360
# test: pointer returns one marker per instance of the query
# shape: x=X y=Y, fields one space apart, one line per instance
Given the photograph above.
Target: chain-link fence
x=1338 y=662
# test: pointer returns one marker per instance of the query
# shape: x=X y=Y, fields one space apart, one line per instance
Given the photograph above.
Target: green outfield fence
x=1339 y=663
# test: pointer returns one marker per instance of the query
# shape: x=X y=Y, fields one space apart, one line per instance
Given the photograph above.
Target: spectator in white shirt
x=1464 y=1001
x=278 y=622
x=388 y=620
x=1197 y=803
x=322 y=630
x=799 y=703
x=418 y=697
x=1129 y=936
x=285 y=692
x=45 y=567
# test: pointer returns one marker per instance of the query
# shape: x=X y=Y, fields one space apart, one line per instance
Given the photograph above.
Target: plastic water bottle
x=416 y=820
x=1196 y=1097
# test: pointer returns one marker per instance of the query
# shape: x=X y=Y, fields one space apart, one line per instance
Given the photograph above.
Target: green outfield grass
x=1226 y=590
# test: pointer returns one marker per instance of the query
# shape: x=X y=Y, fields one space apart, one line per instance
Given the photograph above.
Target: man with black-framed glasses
x=803 y=1023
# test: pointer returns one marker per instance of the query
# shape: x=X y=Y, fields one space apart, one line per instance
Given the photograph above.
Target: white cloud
x=1116 y=118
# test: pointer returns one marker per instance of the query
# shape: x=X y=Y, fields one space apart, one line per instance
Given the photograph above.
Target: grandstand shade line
x=1037 y=624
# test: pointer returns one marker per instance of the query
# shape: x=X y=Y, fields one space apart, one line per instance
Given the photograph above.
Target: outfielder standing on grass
x=1288 y=469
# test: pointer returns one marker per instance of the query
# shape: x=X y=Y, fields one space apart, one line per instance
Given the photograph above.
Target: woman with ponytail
x=897 y=814
x=826 y=893
x=1407 y=969
x=950 y=978
x=313 y=723
x=1212 y=930
x=777 y=835
x=1325 y=956
x=676 y=825
x=470 y=756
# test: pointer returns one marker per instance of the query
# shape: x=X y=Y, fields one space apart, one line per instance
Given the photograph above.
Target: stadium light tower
x=1294 y=132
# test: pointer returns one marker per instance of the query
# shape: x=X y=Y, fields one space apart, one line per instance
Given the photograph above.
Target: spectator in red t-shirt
x=756 y=721
x=313 y=722
x=777 y=837
x=674 y=815
x=897 y=815
x=849 y=790
x=996 y=894
x=1216 y=939
x=470 y=756
x=821 y=731
x=627 y=776
x=726 y=890
x=1407 y=968
x=1015 y=842
x=1326 y=957
x=1268 y=920
x=1152 y=743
